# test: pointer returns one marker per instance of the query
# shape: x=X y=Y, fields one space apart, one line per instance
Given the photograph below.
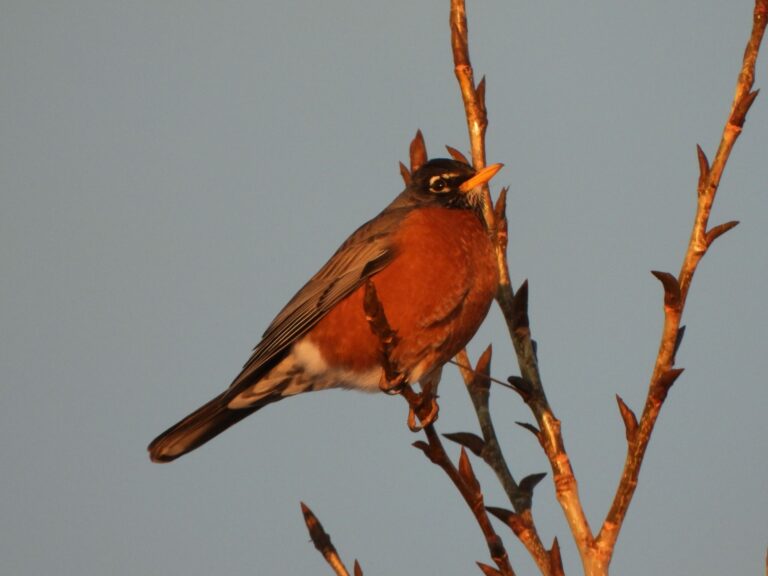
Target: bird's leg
x=422 y=405
x=392 y=379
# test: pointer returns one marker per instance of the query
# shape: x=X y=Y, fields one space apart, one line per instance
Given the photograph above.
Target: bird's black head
x=449 y=183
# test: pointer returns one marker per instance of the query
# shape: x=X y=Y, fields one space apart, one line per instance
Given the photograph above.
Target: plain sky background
x=172 y=172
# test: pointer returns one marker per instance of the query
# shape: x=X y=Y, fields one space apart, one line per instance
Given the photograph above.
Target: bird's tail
x=206 y=422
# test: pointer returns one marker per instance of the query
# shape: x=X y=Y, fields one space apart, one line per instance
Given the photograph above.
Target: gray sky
x=171 y=172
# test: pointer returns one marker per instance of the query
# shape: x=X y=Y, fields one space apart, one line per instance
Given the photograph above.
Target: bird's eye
x=437 y=184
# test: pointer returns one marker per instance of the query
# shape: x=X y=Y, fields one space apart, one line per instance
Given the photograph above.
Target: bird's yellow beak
x=480 y=178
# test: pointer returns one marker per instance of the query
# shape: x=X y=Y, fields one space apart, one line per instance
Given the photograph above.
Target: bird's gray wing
x=369 y=249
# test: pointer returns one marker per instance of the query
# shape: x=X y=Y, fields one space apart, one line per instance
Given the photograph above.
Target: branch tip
x=457 y=154
x=668 y=378
x=480 y=92
x=500 y=209
x=481 y=376
x=629 y=418
x=418 y=151
x=502 y=514
x=714 y=233
x=528 y=483
x=421 y=445
x=742 y=107
x=703 y=168
x=672 y=297
x=522 y=386
x=531 y=428
x=405 y=173
x=556 y=560
x=318 y=535
x=520 y=308
x=513 y=520
x=470 y=441
x=322 y=541
x=484 y=362
x=467 y=473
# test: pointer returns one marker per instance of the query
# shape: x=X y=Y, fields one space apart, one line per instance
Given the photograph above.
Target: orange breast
x=435 y=293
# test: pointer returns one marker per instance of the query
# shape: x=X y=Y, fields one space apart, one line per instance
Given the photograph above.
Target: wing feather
x=369 y=249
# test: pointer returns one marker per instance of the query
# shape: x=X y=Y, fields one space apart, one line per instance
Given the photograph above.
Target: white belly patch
x=305 y=369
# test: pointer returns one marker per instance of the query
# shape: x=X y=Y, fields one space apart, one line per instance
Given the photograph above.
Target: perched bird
x=433 y=267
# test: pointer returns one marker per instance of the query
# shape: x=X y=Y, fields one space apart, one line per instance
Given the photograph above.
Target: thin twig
x=467 y=371
x=322 y=542
x=465 y=481
x=474 y=108
x=474 y=104
x=676 y=290
x=477 y=381
x=548 y=433
x=514 y=307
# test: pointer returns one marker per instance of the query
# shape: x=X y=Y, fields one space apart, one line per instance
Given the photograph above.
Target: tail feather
x=203 y=424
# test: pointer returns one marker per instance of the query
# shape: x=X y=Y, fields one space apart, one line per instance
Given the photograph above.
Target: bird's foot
x=423 y=407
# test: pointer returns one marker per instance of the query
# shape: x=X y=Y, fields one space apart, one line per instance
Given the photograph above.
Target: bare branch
x=664 y=375
x=517 y=322
x=465 y=481
x=478 y=381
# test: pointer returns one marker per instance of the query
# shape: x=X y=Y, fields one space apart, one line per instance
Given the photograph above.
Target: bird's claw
x=392 y=386
x=424 y=407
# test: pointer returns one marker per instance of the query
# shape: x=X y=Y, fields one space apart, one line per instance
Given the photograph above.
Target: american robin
x=433 y=267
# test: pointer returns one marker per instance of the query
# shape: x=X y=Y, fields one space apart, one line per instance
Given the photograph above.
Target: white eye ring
x=437 y=184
